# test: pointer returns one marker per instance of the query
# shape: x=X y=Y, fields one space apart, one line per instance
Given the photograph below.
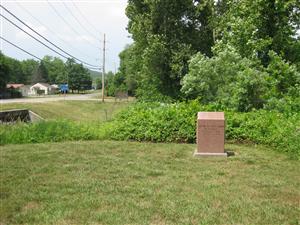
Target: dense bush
x=159 y=122
x=278 y=130
x=285 y=77
x=288 y=104
x=176 y=123
x=239 y=83
x=156 y=122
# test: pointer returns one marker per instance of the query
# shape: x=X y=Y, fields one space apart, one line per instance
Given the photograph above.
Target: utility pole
x=103 y=69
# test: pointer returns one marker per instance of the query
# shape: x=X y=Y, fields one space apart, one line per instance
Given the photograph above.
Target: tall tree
x=256 y=27
x=78 y=77
x=41 y=74
x=166 y=34
x=129 y=70
x=4 y=72
x=29 y=67
x=16 y=74
x=56 y=69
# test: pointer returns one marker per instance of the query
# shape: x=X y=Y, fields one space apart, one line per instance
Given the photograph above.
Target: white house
x=41 y=89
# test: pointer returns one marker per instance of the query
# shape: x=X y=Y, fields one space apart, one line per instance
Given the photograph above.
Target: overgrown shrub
x=284 y=77
x=287 y=104
x=158 y=122
x=239 y=83
x=177 y=122
x=227 y=78
x=278 y=130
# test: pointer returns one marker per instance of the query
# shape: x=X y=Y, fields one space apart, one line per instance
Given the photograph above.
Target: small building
x=18 y=90
x=14 y=86
x=41 y=89
x=25 y=90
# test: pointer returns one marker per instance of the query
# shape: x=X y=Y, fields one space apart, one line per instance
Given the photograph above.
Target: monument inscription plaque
x=210 y=134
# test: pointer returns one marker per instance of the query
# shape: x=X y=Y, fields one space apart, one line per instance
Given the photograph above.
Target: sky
x=78 y=29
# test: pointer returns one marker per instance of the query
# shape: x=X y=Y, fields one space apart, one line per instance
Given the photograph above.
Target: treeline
x=50 y=70
x=241 y=54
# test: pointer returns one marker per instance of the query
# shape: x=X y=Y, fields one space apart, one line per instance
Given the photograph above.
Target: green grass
x=72 y=110
x=106 y=182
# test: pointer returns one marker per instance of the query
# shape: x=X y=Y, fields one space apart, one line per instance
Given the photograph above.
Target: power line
x=33 y=37
x=42 y=37
x=20 y=48
x=83 y=16
x=63 y=19
x=53 y=32
x=78 y=21
x=39 y=40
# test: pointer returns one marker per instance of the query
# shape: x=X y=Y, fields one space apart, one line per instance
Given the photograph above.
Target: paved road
x=85 y=97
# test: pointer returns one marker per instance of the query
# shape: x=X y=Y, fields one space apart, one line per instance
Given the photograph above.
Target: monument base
x=209 y=154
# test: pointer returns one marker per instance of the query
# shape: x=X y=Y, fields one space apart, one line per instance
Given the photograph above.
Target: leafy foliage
x=4 y=73
x=239 y=83
x=78 y=77
x=259 y=37
x=41 y=74
x=285 y=77
x=56 y=69
x=256 y=27
x=29 y=68
x=114 y=83
x=49 y=70
x=15 y=72
x=176 y=123
x=227 y=79
x=166 y=34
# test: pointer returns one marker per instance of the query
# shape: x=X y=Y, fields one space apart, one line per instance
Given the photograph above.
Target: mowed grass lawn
x=106 y=182
x=73 y=110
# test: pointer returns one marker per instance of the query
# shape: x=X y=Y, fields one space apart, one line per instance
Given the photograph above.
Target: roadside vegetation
x=177 y=122
x=155 y=122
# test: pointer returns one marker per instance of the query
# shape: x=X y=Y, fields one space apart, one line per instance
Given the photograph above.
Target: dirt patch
x=30 y=206
x=157 y=220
